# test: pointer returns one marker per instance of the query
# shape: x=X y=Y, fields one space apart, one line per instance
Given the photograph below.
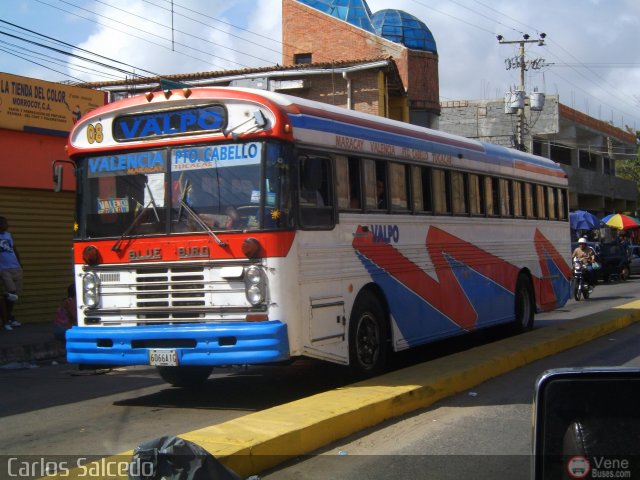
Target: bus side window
x=398 y=187
x=540 y=202
x=441 y=186
x=371 y=199
x=348 y=183
x=528 y=200
x=476 y=199
x=506 y=207
x=562 y=204
x=552 y=203
x=459 y=199
x=355 y=183
x=427 y=189
x=491 y=196
x=416 y=187
x=382 y=186
x=516 y=196
x=315 y=199
x=342 y=182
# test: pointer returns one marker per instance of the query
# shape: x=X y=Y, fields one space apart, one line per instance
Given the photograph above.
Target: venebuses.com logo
x=598 y=467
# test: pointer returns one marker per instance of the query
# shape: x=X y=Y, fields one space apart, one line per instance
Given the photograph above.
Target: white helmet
x=582 y=240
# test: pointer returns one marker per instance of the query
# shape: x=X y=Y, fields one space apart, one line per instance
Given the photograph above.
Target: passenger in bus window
x=382 y=200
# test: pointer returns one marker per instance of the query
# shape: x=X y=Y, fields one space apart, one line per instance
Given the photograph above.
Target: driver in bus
x=586 y=255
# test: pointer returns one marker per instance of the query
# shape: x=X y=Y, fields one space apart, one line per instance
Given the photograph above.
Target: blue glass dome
x=355 y=12
x=402 y=27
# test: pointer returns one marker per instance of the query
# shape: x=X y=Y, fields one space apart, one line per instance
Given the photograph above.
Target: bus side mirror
x=587 y=420
x=57 y=178
x=57 y=169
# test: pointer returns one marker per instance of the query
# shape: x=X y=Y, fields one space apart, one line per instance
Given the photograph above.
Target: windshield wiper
x=196 y=217
x=259 y=122
x=137 y=218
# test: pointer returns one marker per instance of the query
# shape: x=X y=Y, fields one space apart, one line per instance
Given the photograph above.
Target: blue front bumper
x=195 y=344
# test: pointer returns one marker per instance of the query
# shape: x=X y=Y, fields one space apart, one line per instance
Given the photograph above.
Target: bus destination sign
x=207 y=118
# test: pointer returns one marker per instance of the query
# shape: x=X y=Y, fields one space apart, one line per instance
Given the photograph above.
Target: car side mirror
x=587 y=424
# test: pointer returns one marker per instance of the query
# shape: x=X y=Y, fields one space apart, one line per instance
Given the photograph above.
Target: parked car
x=634 y=260
x=614 y=262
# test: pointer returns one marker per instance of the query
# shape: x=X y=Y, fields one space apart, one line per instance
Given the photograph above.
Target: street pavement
x=29 y=344
x=256 y=442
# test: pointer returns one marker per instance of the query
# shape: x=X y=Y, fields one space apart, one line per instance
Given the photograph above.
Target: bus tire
x=575 y=290
x=368 y=336
x=188 y=376
x=524 y=304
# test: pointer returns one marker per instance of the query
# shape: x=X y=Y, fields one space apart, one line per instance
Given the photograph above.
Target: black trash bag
x=174 y=458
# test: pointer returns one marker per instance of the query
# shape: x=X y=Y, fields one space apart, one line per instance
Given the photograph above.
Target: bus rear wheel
x=524 y=304
x=368 y=337
x=188 y=376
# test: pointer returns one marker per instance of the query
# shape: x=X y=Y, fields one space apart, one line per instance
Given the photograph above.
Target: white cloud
x=588 y=35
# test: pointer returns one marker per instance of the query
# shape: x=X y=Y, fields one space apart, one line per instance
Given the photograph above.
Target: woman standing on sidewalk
x=10 y=276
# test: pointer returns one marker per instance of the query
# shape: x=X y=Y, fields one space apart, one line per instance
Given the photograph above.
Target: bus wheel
x=189 y=376
x=368 y=336
x=525 y=304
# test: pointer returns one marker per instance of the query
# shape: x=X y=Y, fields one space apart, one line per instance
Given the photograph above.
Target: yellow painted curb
x=261 y=440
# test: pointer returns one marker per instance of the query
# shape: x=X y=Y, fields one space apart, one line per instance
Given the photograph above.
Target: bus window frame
x=330 y=180
x=393 y=179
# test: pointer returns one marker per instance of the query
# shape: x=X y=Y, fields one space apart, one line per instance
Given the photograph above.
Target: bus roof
x=321 y=124
x=341 y=130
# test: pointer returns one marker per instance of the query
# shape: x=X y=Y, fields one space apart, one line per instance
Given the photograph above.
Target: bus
x=226 y=226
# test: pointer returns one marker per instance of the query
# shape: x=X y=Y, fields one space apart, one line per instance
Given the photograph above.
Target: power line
x=218 y=29
x=17 y=50
x=71 y=54
x=165 y=26
x=55 y=40
x=40 y=65
x=580 y=64
x=138 y=37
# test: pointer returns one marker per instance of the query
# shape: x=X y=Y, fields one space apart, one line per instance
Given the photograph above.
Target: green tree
x=629 y=168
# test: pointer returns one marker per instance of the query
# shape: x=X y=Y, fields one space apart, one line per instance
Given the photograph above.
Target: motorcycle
x=579 y=285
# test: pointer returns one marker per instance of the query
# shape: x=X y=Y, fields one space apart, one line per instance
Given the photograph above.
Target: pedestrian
x=66 y=316
x=10 y=276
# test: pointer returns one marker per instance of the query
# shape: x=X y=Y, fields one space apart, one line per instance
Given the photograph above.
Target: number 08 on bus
x=224 y=226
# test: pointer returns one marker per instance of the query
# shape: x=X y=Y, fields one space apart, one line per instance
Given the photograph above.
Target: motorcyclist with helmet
x=587 y=256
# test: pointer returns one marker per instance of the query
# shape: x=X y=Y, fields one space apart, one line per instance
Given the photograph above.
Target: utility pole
x=520 y=62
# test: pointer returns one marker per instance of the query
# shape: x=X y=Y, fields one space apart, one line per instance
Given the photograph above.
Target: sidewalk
x=30 y=343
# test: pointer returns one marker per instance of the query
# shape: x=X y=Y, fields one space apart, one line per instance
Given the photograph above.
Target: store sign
x=34 y=105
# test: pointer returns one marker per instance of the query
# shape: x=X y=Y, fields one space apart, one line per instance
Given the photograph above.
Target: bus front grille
x=165 y=293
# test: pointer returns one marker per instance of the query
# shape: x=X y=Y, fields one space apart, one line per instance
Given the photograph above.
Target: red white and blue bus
x=225 y=226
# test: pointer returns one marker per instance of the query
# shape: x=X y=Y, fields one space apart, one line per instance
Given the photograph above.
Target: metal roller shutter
x=41 y=223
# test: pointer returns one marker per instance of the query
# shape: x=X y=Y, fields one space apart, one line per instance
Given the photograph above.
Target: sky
x=590 y=56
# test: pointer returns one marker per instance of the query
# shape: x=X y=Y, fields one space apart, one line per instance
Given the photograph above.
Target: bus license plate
x=163 y=358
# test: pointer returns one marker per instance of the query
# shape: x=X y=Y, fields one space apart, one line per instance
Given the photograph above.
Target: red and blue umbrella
x=620 y=221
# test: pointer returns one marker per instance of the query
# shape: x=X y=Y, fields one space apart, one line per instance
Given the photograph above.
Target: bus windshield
x=207 y=187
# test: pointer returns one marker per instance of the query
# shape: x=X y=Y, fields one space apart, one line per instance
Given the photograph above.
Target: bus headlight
x=254 y=283
x=90 y=284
